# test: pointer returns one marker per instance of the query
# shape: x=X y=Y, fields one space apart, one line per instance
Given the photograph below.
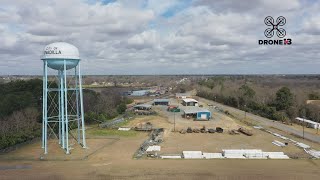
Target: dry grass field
x=115 y=162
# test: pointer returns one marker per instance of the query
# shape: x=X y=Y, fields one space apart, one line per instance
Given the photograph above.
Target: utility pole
x=174 y=120
x=303 y=114
x=303 y=127
x=318 y=123
x=245 y=111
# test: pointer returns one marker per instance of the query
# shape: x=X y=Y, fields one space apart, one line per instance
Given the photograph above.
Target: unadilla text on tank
x=52 y=51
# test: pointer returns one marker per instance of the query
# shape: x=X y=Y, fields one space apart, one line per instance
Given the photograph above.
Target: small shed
x=197 y=113
x=183 y=95
x=164 y=102
x=189 y=102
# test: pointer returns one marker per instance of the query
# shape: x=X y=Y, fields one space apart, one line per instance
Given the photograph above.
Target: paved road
x=264 y=121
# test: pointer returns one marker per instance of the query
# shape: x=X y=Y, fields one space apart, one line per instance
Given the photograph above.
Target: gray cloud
x=127 y=37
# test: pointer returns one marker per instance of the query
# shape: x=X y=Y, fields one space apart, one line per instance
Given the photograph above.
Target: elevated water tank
x=56 y=53
x=63 y=103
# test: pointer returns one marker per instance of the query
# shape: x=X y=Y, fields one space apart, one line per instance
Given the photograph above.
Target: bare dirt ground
x=159 y=121
x=35 y=152
x=175 y=143
x=113 y=159
x=115 y=162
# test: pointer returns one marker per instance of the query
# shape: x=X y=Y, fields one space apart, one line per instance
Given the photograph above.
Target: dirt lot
x=176 y=143
x=35 y=152
x=115 y=162
x=113 y=159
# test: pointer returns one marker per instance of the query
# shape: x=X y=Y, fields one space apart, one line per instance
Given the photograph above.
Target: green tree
x=312 y=112
x=247 y=92
x=281 y=116
x=303 y=111
x=121 y=108
x=210 y=83
x=292 y=112
x=127 y=100
x=284 y=99
x=221 y=83
x=314 y=96
x=246 y=95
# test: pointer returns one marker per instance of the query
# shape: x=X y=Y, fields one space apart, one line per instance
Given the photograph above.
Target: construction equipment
x=219 y=130
x=157 y=135
x=144 y=112
x=245 y=131
x=195 y=130
x=143 y=127
x=203 y=129
x=233 y=132
x=182 y=131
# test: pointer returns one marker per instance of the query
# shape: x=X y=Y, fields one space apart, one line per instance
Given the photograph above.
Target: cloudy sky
x=161 y=36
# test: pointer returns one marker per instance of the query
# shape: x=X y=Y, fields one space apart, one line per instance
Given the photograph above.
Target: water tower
x=63 y=114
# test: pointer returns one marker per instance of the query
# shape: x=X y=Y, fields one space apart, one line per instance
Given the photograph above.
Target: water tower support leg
x=66 y=106
x=77 y=103
x=62 y=109
x=82 y=110
x=43 y=102
x=46 y=110
x=59 y=103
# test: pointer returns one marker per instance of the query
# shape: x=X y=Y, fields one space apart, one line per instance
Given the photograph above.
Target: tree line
x=21 y=109
x=281 y=105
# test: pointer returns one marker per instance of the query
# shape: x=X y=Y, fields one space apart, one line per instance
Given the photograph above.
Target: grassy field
x=110 y=132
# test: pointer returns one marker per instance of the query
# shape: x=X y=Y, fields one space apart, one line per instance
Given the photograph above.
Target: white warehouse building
x=308 y=123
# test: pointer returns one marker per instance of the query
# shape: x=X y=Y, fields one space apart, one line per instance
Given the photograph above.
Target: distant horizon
x=177 y=75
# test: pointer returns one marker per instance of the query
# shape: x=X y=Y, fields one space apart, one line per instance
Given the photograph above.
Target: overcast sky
x=161 y=36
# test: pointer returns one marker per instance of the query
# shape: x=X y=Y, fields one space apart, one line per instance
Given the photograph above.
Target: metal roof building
x=161 y=102
x=309 y=123
x=182 y=95
x=139 y=93
x=189 y=102
x=197 y=112
x=142 y=107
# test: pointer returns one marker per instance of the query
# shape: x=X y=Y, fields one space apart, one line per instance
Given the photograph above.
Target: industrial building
x=138 y=93
x=164 y=102
x=182 y=95
x=196 y=112
x=189 y=102
x=142 y=107
x=308 y=123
